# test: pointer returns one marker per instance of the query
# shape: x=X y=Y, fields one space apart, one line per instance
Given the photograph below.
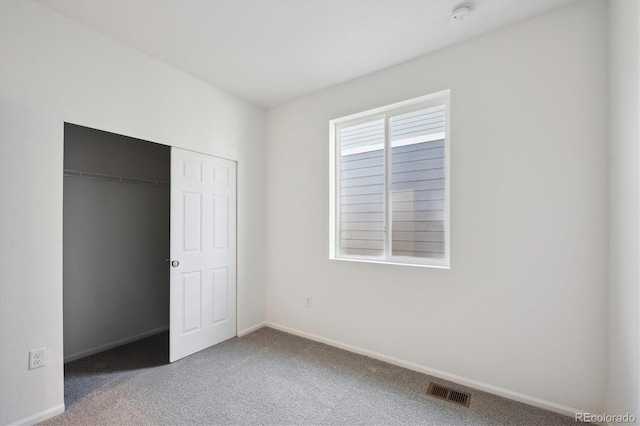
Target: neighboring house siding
x=418 y=194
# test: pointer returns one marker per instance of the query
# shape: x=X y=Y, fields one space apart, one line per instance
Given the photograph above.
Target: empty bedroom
x=319 y=212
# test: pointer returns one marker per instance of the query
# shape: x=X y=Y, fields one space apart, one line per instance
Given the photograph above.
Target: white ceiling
x=273 y=51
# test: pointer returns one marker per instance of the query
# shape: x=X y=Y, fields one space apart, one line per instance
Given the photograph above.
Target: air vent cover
x=441 y=392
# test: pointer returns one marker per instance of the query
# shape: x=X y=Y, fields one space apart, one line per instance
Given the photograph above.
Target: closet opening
x=116 y=236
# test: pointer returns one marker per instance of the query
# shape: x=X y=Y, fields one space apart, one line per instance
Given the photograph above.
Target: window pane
x=418 y=183
x=362 y=189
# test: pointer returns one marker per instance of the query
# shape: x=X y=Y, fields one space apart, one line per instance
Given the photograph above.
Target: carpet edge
x=481 y=386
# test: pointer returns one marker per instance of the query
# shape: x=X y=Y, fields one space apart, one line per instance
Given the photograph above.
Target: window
x=390 y=184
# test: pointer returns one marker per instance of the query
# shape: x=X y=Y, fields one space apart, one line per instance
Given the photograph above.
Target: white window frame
x=422 y=102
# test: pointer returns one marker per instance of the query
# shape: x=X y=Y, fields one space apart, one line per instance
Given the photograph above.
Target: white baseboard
x=251 y=329
x=41 y=416
x=111 y=345
x=485 y=387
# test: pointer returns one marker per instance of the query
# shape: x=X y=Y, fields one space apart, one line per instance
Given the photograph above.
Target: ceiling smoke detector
x=459 y=13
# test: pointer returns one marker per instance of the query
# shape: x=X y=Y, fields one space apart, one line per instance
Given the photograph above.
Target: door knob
x=175 y=263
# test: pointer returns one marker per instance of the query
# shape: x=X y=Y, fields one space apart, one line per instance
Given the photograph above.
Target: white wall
x=624 y=197
x=53 y=69
x=523 y=307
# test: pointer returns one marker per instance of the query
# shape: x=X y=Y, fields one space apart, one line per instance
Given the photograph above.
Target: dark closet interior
x=116 y=240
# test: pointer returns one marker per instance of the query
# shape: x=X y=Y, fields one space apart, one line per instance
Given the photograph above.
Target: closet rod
x=113 y=178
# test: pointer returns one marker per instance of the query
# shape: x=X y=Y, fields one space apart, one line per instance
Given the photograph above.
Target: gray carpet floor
x=267 y=377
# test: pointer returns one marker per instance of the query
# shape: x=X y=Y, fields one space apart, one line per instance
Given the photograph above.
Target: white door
x=203 y=252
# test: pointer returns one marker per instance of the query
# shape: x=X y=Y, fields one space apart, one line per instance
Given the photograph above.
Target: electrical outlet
x=308 y=302
x=37 y=358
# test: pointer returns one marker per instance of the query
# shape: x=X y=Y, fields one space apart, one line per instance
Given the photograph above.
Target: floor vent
x=450 y=395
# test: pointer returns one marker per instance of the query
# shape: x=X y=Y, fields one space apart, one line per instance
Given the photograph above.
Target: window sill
x=391 y=262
